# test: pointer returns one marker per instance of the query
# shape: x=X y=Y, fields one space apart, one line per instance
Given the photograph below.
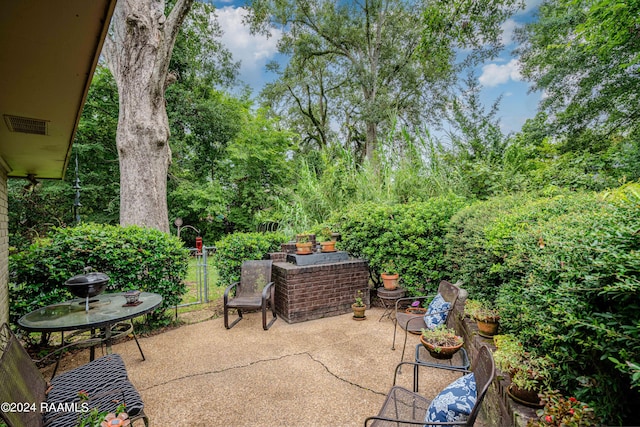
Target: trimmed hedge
x=565 y=274
x=133 y=258
x=235 y=248
x=411 y=235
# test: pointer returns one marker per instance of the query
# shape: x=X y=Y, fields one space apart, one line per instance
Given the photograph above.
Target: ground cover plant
x=133 y=258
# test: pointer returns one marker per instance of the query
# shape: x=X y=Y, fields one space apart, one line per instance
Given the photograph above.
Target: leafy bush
x=235 y=248
x=133 y=258
x=564 y=272
x=411 y=235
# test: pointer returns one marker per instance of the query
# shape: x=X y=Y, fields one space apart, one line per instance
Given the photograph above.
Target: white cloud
x=508 y=29
x=254 y=51
x=494 y=74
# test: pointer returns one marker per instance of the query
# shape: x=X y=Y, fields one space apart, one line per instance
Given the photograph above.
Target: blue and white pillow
x=437 y=312
x=455 y=402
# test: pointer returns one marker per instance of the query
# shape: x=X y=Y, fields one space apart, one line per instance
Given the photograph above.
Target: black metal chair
x=254 y=291
x=415 y=323
x=403 y=407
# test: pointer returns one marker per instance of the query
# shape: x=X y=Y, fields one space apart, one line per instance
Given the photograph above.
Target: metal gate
x=202 y=274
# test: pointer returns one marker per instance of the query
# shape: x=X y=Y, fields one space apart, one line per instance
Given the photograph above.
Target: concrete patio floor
x=327 y=372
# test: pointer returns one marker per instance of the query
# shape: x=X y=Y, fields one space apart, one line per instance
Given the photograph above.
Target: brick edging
x=498 y=409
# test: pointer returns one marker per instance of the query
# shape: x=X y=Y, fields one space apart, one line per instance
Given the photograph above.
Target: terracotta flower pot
x=358 y=311
x=390 y=281
x=526 y=397
x=441 y=352
x=488 y=328
x=418 y=311
x=304 y=248
x=329 y=246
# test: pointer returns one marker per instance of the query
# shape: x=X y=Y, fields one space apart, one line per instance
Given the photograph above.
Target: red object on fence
x=199 y=244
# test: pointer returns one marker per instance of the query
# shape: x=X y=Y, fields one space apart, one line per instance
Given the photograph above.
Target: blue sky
x=497 y=77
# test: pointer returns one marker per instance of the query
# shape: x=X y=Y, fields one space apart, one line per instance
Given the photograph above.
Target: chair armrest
x=419 y=365
x=228 y=290
x=266 y=290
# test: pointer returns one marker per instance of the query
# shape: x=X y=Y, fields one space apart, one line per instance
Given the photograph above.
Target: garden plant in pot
x=441 y=342
x=326 y=243
x=529 y=374
x=359 y=307
x=304 y=245
x=487 y=318
x=390 y=276
x=416 y=309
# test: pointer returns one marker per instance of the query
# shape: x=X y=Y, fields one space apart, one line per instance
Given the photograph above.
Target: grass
x=192 y=296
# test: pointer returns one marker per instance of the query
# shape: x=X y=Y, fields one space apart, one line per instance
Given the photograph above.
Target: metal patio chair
x=415 y=323
x=254 y=291
x=403 y=407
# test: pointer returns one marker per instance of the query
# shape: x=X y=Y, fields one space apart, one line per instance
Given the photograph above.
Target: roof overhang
x=48 y=53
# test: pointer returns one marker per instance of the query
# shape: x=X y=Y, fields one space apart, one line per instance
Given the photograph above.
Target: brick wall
x=316 y=291
x=4 y=248
x=498 y=409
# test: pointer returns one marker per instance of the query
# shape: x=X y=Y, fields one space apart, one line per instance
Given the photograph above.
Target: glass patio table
x=105 y=312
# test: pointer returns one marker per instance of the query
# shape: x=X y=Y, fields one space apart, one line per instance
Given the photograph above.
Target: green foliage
x=233 y=249
x=564 y=273
x=411 y=234
x=583 y=55
x=133 y=258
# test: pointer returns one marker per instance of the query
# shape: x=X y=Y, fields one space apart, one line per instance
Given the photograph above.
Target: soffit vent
x=26 y=125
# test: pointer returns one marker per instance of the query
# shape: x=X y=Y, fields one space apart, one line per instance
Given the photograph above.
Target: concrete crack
x=342 y=379
x=219 y=371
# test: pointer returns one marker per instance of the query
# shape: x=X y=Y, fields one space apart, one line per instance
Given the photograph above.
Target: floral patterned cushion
x=455 y=402
x=437 y=312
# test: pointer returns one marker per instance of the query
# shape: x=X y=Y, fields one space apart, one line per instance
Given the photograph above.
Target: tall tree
x=396 y=55
x=137 y=51
x=584 y=55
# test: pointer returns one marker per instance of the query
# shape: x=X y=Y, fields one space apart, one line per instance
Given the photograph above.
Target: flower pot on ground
x=441 y=342
x=487 y=318
x=359 y=307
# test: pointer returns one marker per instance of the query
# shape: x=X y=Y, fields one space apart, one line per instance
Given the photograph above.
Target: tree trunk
x=137 y=51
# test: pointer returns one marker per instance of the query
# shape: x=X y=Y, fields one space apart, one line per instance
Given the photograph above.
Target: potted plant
x=528 y=374
x=326 y=243
x=304 y=245
x=416 y=309
x=562 y=411
x=390 y=276
x=441 y=342
x=359 y=307
x=487 y=318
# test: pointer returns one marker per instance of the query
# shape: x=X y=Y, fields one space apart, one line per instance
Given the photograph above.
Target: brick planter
x=498 y=409
x=312 y=292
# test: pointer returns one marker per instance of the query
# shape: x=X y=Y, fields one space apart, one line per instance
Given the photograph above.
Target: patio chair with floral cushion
x=457 y=404
x=254 y=291
x=437 y=313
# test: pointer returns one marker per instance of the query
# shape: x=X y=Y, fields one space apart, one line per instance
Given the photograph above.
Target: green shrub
x=411 y=235
x=564 y=272
x=235 y=248
x=133 y=258
x=579 y=300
